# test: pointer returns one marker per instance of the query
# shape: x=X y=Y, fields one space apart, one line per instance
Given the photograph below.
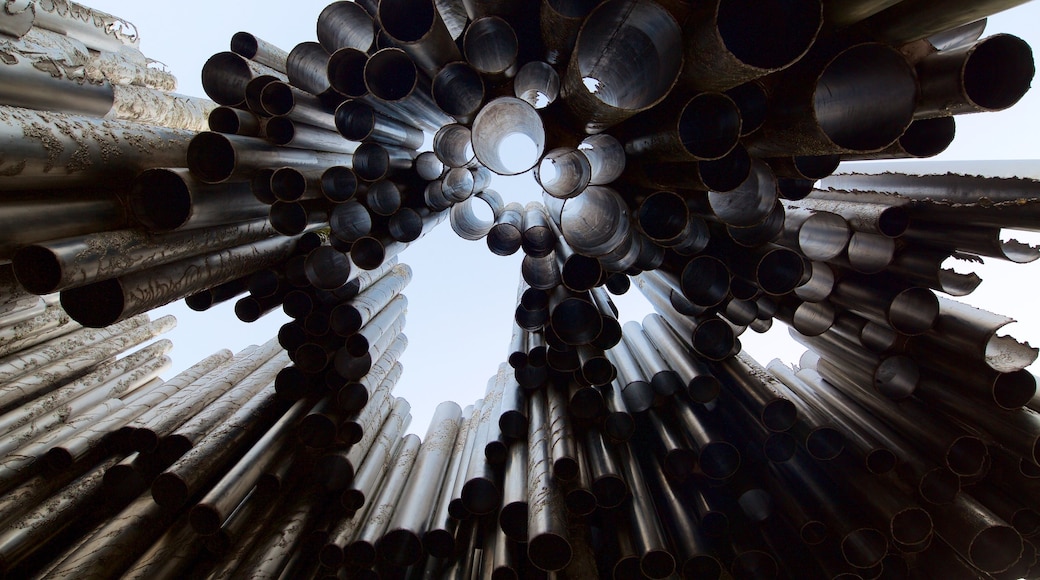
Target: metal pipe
x=548 y=546
x=595 y=222
x=226 y=74
x=46 y=379
x=373 y=162
x=956 y=81
x=626 y=58
x=815 y=110
x=719 y=56
x=749 y=203
x=905 y=22
x=538 y=83
x=216 y=158
x=305 y=68
x=220 y=501
x=285 y=132
x=563 y=172
x=505 y=237
x=465 y=220
x=395 y=79
x=35 y=82
x=401 y=544
x=701 y=386
x=164 y=200
x=702 y=128
x=458 y=90
x=103 y=303
x=346 y=25
x=491 y=47
x=190 y=433
x=417 y=27
x=718 y=175
x=655 y=559
x=439 y=538
x=362 y=549
x=508 y=123
x=56 y=265
x=364 y=484
x=358 y=121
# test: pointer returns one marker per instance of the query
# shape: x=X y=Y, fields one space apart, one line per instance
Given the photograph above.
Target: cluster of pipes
x=687 y=148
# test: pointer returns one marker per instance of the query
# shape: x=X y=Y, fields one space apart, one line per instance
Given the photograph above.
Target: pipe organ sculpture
x=685 y=148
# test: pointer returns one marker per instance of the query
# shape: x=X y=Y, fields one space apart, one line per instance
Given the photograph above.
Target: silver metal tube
x=439 y=539
x=346 y=25
x=807 y=115
x=217 y=505
x=548 y=546
x=362 y=549
x=626 y=58
x=103 y=303
x=56 y=265
x=216 y=158
x=306 y=68
x=492 y=48
x=701 y=386
x=513 y=121
x=358 y=121
x=911 y=21
x=538 y=83
x=45 y=379
x=395 y=79
x=364 y=484
x=401 y=544
x=563 y=172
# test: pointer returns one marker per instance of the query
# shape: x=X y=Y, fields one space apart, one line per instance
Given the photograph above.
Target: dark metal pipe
x=721 y=51
x=548 y=546
x=346 y=25
x=626 y=58
x=215 y=157
x=358 y=121
x=815 y=111
x=458 y=90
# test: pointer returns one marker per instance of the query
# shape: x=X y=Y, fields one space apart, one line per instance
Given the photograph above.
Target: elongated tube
x=401 y=543
x=103 y=303
x=548 y=545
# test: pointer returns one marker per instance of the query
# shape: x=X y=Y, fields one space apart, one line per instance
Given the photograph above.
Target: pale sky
x=462 y=296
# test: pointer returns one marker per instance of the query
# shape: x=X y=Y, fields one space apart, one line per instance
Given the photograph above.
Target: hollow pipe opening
x=508 y=136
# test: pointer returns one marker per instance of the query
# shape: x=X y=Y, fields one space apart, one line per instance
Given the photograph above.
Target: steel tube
x=395 y=79
x=819 y=117
x=220 y=501
x=417 y=27
x=538 y=83
x=362 y=550
x=226 y=74
x=458 y=90
x=216 y=158
x=508 y=120
x=905 y=22
x=626 y=58
x=718 y=54
x=103 y=303
x=358 y=121
x=365 y=482
x=563 y=172
x=401 y=544
x=346 y=25
x=548 y=546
